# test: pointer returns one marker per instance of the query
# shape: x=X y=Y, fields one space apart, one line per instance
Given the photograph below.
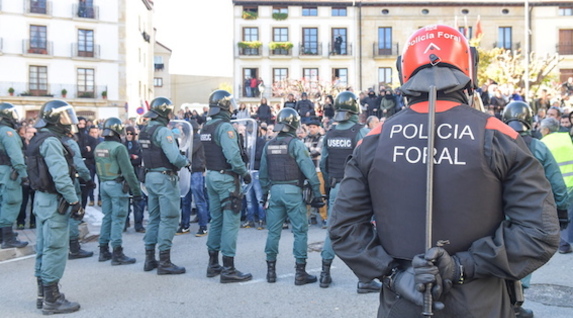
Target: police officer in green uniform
x=339 y=143
x=161 y=161
x=116 y=175
x=285 y=164
x=76 y=250
x=224 y=168
x=50 y=167
x=12 y=174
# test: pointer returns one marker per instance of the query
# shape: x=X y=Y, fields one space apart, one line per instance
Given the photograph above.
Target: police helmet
x=111 y=126
x=221 y=100
x=161 y=107
x=8 y=112
x=345 y=105
x=57 y=113
x=518 y=115
x=437 y=55
x=288 y=120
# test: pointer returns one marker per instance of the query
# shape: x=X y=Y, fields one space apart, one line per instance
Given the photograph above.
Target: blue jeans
x=137 y=212
x=197 y=194
x=254 y=195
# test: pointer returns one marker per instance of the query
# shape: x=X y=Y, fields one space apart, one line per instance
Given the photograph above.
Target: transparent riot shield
x=247 y=128
x=183 y=133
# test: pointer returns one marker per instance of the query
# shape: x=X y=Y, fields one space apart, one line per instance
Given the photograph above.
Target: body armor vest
x=282 y=167
x=340 y=143
x=215 y=159
x=461 y=167
x=153 y=155
x=38 y=173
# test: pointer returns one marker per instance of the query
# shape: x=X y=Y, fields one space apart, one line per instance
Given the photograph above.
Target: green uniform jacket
x=112 y=161
x=298 y=150
x=11 y=145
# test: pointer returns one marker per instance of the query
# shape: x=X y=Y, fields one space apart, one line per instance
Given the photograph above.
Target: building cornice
x=402 y=3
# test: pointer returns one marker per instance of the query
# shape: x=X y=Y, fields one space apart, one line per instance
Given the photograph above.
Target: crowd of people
x=327 y=161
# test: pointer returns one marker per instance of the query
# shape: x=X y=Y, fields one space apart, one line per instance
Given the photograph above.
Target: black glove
x=264 y=200
x=411 y=286
x=563 y=218
x=24 y=181
x=77 y=212
x=450 y=268
x=247 y=178
x=317 y=203
x=90 y=184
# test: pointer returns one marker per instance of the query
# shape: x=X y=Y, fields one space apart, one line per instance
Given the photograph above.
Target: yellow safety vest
x=561 y=147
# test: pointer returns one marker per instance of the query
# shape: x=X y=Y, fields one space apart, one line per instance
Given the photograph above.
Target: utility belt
x=229 y=172
x=291 y=182
x=170 y=173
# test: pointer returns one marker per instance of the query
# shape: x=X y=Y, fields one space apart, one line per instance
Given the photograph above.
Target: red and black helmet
x=437 y=55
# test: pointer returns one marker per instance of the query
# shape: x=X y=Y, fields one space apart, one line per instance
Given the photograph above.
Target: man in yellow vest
x=561 y=147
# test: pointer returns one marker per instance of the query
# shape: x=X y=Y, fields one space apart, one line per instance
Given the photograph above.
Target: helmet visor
x=67 y=115
x=11 y=113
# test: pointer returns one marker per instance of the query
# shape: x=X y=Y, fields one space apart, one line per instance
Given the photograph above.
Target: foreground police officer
x=285 y=164
x=491 y=200
x=76 y=250
x=12 y=175
x=116 y=175
x=518 y=116
x=339 y=143
x=161 y=160
x=224 y=168
x=51 y=171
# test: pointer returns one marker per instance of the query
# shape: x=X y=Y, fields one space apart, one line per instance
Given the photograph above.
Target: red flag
x=479 y=31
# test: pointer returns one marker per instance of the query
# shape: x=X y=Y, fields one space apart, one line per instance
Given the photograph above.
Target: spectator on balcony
x=568 y=86
x=254 y=87
x=338 y=45
x=248 y=91
x=83 y=9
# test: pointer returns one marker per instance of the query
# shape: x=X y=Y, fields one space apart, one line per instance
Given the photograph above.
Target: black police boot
x=521 y=312
x=104 y=254
x=150 y=261
x=214 y=267
x=56 y=303
x=118 y=258
x=368 y=287
x=165 y=266
x=230 y=274
x=9 y=240
x=325 y=278
x=271 y=271
x=40 y=298
x=76 y=250
x=301 y=277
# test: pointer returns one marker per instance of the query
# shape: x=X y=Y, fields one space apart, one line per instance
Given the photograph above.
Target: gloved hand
x=90 y=184
x=25 y=181
x=450 y=268
x=264 y=200
x=411 y=286
x=317 y=202
x=247 y=178
x=77 y=213
x=563 y=218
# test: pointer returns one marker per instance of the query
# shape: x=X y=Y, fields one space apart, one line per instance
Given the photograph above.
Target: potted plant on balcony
x=280 y=45
x=280 y=16
x=250 y=15
x=11 y=91
x=250 y=44
x=104 y=94
x=64 y=92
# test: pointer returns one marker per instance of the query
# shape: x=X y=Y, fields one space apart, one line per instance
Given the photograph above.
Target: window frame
x=38 y=84
x=338 y=11
x=309 y=11
x=83 y=75
x=310 y=47
x=84 y=48
x=385 y=76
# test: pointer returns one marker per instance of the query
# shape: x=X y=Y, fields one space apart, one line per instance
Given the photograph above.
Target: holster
x=14 y=175
x=235 y=200
x=515 y=291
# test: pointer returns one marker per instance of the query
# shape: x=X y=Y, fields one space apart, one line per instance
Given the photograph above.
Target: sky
x=199 y=34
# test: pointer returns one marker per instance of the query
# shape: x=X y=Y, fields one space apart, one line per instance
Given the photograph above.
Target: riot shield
x=247 y=129
x=183 y=133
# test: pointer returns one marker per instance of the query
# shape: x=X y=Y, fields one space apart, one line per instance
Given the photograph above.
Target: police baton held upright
x=427 y=309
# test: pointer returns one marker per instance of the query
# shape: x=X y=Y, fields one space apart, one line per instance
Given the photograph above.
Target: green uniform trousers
x=286 y=200
x=114 y=206
x=10 y=197
x=52 y=235
x=164 y=207
x=327 y=251
x=224 y=222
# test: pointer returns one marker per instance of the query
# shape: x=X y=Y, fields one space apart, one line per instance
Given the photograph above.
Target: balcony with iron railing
x=84 y=51
x=280 y=49
x=37 y=47
x=159 y=67
x=507 y=45
x=344 y=50
x=22 y=89
x=250 y=52
x=83 y=11
x=565 y=48
x=310 y=49
x=38 y=7
x=380 y=49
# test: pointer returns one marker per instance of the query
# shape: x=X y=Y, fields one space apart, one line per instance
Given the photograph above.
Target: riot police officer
x=224 y=168
x=161 y=160
x=285 y=164
x=338 y=144
x=493 y=217
x=116 y=175
x=51 y=170
x=12 y=175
